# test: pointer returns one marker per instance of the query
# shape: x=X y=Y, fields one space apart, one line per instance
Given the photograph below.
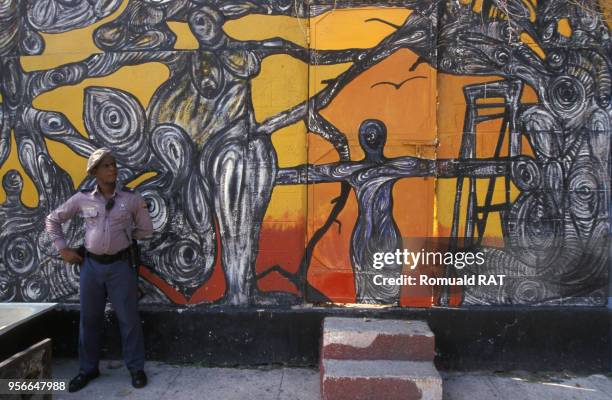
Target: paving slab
x=182 y=382
x=525 y=385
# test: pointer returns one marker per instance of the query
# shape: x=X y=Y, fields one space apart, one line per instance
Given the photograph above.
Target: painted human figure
x=209 y=96
x=375 y=231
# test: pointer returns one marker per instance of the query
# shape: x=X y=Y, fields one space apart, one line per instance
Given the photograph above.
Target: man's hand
x=71 y=256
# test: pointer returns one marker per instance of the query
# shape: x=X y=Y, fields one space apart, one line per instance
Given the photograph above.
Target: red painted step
x=380 y=379
x=377 y=339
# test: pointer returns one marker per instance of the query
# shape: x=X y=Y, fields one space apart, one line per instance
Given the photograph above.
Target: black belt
x=108 y=258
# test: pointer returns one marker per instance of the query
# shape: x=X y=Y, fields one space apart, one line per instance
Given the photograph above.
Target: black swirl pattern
x=210 y=166
x=116 y=120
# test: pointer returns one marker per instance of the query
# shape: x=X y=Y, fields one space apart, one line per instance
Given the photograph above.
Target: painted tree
x=216 y=167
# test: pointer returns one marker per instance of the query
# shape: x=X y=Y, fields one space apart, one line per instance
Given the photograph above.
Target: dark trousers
x=119 y=280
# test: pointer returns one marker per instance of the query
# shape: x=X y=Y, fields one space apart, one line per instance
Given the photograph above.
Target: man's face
x=106 y=170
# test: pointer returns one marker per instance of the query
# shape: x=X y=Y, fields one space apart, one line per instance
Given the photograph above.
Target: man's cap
x=96 y=157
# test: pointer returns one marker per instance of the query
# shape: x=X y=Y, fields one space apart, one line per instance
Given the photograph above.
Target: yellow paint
x=529 y=95
x=564 y=28
x=74 y=45
x=135 y=182
x=446 y=191
x=185 y=40
x=261 y=27
x=288 y=203
x=29 y=194
x=140 y=80
x=344 y=29
x=528 y=40
x=320 y=73
x=290 y=144
x=490 y=100
x=280 y=85
x=532 y=9
x=435 y=225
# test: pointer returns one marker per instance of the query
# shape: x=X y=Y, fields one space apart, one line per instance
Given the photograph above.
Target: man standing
x=113 y=218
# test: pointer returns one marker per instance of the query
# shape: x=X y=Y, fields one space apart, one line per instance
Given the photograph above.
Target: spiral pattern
x=185 y=258
x=196 y=204
x=158 y=209
x=529 y=291
x=526 y=174
x=501 y=56
x=140 y=27
x=19 y=254
x=600 y=129
x=584 y=195
x=55 y=77
x=116 y=120
x=55 y=16
x=31 y=42
x=543 y=131
x=34 y=288
x=7 y=287
x=567 y=95
x=62 y=279
x=174 y=148
x=52 y=123
x=534 y=229
x=556 y=59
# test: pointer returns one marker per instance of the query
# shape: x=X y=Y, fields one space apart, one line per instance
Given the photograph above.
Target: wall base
x=533 y=339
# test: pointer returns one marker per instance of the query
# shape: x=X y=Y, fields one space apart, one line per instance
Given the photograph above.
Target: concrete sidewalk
x=519 y=385
x=182 y=382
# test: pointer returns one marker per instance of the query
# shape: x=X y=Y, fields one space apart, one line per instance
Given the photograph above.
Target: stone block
x=377 y=339
x=380 y=379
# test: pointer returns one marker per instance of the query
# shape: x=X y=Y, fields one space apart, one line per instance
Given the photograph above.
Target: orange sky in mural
x=410 y=116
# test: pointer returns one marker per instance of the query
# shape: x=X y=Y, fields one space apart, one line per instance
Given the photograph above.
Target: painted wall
x=280 y=144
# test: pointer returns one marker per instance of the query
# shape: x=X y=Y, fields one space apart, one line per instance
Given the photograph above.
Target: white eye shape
x=417 y=35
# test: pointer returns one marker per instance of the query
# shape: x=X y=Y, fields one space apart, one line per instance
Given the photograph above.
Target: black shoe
x=139 y=379
x=81 y=380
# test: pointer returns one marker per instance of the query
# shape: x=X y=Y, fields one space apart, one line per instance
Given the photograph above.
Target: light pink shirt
x=106 y=232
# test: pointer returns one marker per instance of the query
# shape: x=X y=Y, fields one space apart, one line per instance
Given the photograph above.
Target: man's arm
x=143 y=225
x=54 y=221
x=53 y=226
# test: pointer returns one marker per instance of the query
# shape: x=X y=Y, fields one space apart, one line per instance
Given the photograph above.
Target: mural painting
x=279 y=144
